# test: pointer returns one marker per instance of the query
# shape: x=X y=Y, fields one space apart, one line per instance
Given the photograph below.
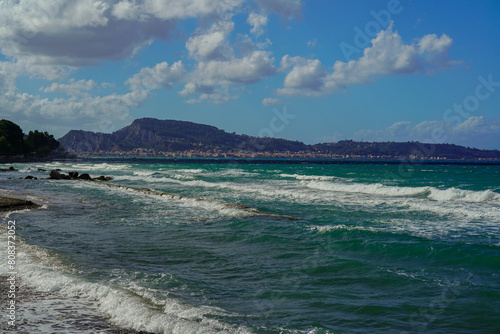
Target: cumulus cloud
x=72 y=88
x=211 y=74
x=81 y=111
x=269 y=101
x=244 y=70
x=220 y=66
x=160 y=76
x=258 y=23
x=211 y=44
x=73 y=32
x=285 y=8
x=171 y=9
x=474 y=131
x=215 y=95
x=388 y=55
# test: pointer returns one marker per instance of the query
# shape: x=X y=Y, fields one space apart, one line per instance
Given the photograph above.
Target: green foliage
x=11 y=138
x=40 y=144
x=14 y=142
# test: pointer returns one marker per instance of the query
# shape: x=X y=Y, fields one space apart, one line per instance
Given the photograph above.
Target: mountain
x=173 y=136
x=205 y=140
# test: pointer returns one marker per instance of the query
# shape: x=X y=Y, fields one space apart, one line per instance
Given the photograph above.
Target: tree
x=11 y=138
x=40 y=143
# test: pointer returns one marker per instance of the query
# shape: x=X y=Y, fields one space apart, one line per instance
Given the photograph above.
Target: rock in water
x=55 y=175
x=104 y=178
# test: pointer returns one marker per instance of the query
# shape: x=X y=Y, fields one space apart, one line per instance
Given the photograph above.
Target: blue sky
x=314 y=71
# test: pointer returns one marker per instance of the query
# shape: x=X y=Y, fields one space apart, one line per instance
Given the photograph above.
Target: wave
x=368 y=189
x=225 y=208
x=124 y=307
x=454 y=194
x=450 y=194
x=403 y=199
x=309 y=177
x=329 y=190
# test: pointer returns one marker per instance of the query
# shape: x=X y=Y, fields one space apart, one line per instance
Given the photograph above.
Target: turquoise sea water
x=373 y=248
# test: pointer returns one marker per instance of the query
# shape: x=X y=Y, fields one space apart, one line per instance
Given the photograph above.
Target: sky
x=314 y=71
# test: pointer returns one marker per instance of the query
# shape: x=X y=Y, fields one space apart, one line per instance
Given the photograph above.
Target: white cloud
x=72 y=88
x=245 y=70
x=285 y=8
x=388 y=55
x=172 y=9
x=211 y=44
x=258 y=23
x=217 y=96
x=160 y=76
x=305 y=73
x=474 y=131
x=76 y=32
x=269 y=101
x=75 y=112
x=218 y=65
x=235 y=71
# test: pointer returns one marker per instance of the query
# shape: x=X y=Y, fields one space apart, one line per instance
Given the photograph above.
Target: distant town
x=152 y=153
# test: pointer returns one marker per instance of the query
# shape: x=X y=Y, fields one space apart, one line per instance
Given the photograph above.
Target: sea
x=180 y=246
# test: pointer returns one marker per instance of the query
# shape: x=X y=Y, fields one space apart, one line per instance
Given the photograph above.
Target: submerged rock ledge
x=15 y=204
x=56 y=175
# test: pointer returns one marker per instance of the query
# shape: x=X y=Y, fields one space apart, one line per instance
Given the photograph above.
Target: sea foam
x=125 y=308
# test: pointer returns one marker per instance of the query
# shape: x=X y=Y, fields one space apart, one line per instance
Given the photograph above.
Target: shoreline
x=35 y=303
x=313 y=161
x=31 y=301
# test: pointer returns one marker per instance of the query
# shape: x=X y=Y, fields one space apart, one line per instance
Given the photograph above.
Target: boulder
x=73 y=175
x=10 y=169
x=85 y=176
x=29 y=177
x=55 y=175
x=103 y=178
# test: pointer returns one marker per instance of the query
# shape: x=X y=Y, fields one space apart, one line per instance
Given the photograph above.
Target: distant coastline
x=317 y=161
x=149 y=137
